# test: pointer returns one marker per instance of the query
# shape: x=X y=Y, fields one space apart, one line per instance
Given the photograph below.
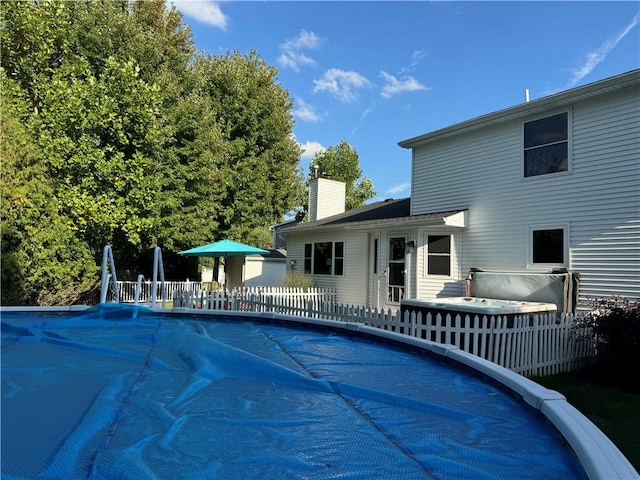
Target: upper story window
x=439 y=255
x=546 y=145
x=324 y=258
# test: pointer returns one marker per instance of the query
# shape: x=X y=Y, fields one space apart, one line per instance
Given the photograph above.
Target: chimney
x=326 y=197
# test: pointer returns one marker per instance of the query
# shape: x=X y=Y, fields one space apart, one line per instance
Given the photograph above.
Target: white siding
x=598 y=199
x=326 y=198
x=352 y=286
x=262 y=272
x=433 y=286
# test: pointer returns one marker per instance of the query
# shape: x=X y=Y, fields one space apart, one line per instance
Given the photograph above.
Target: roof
x=533 y=107
x=284 y=224
x=274 y=254
x=384 y=213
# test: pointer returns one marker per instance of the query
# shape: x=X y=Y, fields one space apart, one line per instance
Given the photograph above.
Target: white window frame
x=565 y=245
x=569 y=113
x=333 y=257
x=426 y=273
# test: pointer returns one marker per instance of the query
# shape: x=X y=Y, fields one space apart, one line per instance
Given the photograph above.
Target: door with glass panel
x=396 y=269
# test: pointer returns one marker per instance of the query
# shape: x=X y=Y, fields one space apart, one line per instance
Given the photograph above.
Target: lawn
x=614 y=410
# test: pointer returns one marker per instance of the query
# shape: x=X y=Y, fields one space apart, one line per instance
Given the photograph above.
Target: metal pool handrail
x=158 y=268
x=108 y=265
x=107 y=261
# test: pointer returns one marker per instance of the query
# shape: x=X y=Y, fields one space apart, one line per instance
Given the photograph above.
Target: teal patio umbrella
x=223 y=248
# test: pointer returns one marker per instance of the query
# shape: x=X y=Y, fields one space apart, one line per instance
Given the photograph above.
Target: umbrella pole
x=226 y=304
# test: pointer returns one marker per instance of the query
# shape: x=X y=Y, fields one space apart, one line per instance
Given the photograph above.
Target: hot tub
x=476 y=306
x=474 y=324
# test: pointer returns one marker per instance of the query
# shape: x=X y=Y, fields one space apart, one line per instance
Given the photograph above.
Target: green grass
x=614 y=411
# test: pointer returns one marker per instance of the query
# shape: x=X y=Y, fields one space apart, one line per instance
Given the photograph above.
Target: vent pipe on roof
x=526 y=95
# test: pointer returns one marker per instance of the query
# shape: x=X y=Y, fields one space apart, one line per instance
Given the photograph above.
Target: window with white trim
x=548 y=246
x=546 y=145
x=439 y=255
x=324 y=258
x=308 y=255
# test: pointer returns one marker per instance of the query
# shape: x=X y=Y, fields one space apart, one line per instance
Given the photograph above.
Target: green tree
x=43 y=262
x=259 y=172
x=116 y=132
x=90 y=174
x=342 y=163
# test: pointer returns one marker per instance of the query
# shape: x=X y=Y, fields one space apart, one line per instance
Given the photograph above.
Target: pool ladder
x=109 y=277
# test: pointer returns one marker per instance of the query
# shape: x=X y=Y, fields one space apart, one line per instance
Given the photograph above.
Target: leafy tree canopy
x=115 y=131
x=342 y=163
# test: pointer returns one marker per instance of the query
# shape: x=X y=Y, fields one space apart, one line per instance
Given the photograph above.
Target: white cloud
x=341 y=84
x=415 y=60
x=305 y=112
x=202 y=11
x=392 y=86
x=600 y=53
x=364 y=115
x=399 y=189
x=306 y=39
x=309 y=149
x=292 y=55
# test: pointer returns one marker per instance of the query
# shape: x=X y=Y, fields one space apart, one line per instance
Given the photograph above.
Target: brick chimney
x=326 y=197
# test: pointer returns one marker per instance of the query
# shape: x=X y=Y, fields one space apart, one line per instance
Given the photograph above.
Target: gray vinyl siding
x=598 y=199
x=352 y=286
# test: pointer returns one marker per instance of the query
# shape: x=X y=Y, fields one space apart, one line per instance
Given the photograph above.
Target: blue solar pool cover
x=122 y=393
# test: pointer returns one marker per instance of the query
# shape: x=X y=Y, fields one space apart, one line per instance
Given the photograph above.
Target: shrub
x=297 y=280
x=616 y=324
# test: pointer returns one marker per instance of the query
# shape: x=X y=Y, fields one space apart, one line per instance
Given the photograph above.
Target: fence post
x=412 y=325
x=492 y=322
x=534 y=353
x=234 y=300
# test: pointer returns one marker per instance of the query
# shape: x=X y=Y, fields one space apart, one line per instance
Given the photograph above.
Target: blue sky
x=374 y=73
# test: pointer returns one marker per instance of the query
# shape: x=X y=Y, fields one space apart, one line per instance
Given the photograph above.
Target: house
x=265 y=270
x=278 y=241
x=552 y=183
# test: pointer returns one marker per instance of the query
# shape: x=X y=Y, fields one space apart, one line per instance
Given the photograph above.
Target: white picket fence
x=256 y=299
x=127 y=290
x=532 y=345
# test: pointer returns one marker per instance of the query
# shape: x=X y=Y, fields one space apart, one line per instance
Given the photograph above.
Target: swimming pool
x=124 y=392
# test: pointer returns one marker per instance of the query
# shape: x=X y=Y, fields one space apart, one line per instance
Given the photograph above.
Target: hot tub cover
x=126 y=393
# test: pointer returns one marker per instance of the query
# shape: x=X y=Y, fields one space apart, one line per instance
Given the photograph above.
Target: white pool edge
x=599 y=457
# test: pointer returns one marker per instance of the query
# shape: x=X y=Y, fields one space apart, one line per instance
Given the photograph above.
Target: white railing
x=255 y=298
x=127 y=290
x=396 y=294
x=532 y=345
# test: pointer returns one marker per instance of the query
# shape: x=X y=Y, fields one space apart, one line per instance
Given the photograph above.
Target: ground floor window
x=324 y=258
x=308 y=255
x=439 y=255
x=548 y=246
